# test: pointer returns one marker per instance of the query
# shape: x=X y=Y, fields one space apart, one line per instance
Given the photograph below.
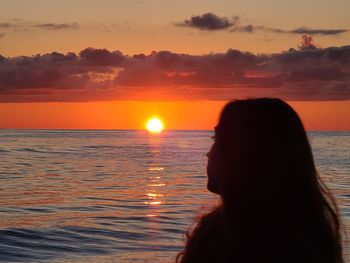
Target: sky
x=112 y=64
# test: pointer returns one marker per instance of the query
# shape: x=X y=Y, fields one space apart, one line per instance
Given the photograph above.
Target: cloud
x=209 y=22
x=7 y=25
x=100 y=74
x=101 y=57
x=53 y=26
x=23 y=25
x=2 y=35
x=247 y=28
x=310 y=31
x=300 y=30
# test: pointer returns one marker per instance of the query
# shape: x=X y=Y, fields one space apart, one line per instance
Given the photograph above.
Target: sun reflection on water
x=155 y=183
x=155 y=168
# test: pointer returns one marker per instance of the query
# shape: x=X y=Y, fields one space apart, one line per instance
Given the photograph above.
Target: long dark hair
x=275 y=207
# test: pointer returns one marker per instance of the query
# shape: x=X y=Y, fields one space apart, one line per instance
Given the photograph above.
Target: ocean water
x=119 y=196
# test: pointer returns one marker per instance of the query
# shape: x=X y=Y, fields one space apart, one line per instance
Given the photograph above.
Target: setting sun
x=154 y=125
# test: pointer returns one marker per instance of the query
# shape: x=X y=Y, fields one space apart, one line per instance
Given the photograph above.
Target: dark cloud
x=208 y=21
x=310 y=31
x=100 y=74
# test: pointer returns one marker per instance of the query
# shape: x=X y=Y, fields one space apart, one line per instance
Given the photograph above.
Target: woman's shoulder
x=274 y=246
x=282 y=245
x=206 y=242
x=212 y=241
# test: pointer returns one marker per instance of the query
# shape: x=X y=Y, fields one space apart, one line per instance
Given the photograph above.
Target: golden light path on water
x=155 y=169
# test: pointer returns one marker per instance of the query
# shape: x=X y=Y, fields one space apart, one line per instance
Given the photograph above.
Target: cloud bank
x=308 y=73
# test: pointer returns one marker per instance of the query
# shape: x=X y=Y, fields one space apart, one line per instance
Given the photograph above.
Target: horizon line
x=121 y=129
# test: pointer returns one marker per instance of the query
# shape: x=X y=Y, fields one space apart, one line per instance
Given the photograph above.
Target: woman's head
x=261 y=163
x=260 y=145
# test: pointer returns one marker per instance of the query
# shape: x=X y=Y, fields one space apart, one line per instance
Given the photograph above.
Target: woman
x=274 y=206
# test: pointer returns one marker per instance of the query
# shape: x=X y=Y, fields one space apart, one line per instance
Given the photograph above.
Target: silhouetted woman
x=274 y=206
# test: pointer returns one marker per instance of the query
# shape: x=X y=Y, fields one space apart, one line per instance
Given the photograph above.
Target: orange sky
x=203 y=65
x=329 y=115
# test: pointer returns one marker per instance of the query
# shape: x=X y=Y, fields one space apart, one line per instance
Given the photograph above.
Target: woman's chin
x=213 y=188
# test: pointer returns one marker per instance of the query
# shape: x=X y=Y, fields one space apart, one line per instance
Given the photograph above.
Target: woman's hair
x=274 y=204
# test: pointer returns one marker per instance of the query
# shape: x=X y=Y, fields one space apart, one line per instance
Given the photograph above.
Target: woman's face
x=216 y=170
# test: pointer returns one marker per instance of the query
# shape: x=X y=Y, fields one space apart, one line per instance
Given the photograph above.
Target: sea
x=119 y=195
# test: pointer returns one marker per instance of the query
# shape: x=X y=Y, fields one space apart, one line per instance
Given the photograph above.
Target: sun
x=154 y=125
